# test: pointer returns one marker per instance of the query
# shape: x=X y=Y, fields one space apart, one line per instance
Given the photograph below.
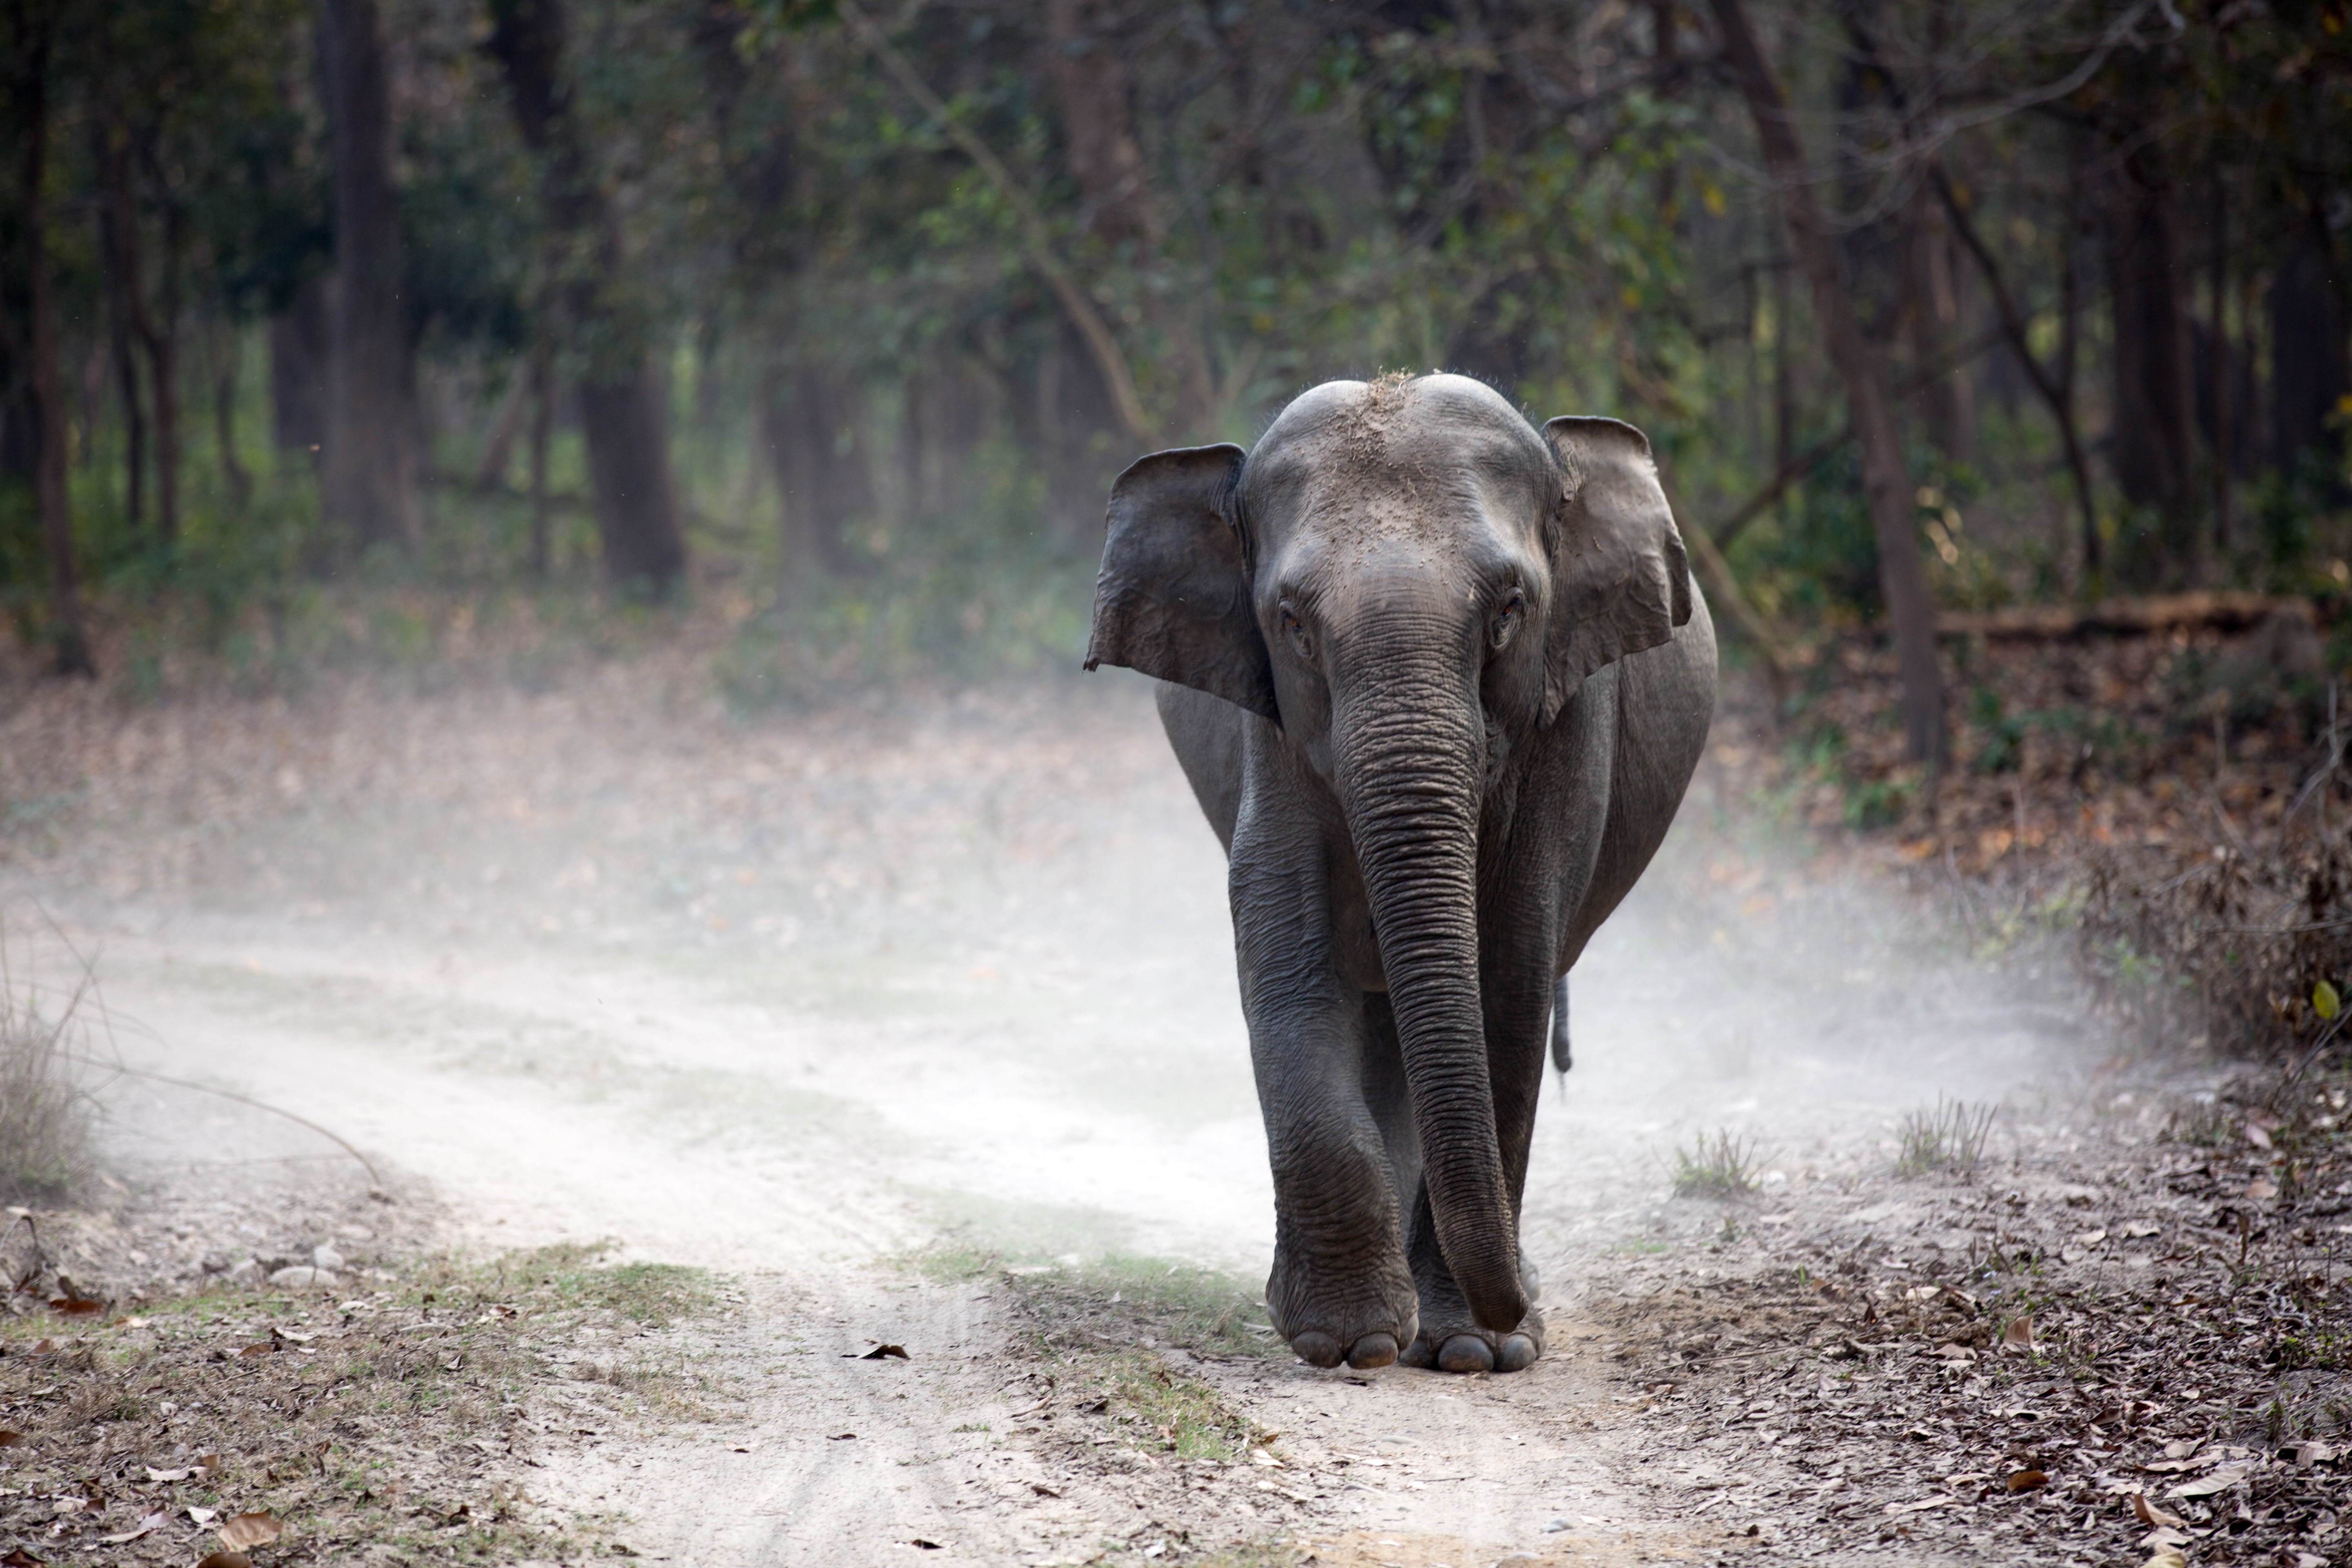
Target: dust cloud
x=947 y=965
x=791 y=996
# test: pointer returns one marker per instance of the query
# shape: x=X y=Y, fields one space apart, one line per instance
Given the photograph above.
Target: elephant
x=1439 y=682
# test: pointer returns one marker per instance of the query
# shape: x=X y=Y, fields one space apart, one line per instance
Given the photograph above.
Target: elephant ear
x=1173 y=599
x=1620 y=581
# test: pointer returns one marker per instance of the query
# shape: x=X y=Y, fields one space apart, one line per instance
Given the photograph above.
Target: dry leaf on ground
x=2151 y=1514
x=153 y=1522
x=249 y=1529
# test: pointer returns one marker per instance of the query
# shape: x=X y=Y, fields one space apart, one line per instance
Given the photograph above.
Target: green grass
x=567 y=1277
x=1721 y=1164
x=1951 y=1137
x=1156 y=1406
x=1099 y=1326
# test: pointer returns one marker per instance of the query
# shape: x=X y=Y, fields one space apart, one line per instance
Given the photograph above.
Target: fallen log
x=2218 y=609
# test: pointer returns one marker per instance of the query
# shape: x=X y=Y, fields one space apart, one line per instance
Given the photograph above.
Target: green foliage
x=1551 y=199
x=1720 y=1164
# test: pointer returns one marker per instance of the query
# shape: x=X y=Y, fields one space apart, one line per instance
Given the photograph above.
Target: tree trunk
x=161 y=341
x=498 y=451
x=2070 y=340
x=2056 y=389
x=543 y=431
x=368 y=474
x=297 y=370
x=624 y=409
x=234 y=477
x=1118 y=207
x=126 y=323
x=1886 y=484
x=816 y=431
x=32 y=37
x=2153 y=441
x=2309 y=377
x=2216 y=383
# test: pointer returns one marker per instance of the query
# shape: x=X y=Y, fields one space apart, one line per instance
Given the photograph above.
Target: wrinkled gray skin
x=1439 y=681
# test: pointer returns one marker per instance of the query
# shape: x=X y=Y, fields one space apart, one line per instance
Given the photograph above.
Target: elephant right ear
x=1173 y=600
x=1620 y=581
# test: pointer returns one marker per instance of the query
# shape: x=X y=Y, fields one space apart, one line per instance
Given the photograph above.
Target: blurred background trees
x=843 y=319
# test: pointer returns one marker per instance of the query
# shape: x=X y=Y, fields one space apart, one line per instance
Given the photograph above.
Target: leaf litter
x=310 y=1430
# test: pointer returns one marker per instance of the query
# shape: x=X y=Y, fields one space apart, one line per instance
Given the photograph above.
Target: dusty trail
x=797 y=1000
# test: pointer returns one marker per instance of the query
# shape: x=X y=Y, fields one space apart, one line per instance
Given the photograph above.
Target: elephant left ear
x=1620 y=581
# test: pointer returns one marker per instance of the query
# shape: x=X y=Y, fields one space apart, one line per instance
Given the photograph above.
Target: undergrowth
x=368 y=1422
x=1721 y=1164
x=45 y=1102
x=1951 y=1137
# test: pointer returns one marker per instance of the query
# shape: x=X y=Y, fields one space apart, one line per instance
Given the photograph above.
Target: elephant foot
x=1471 y=1349
x=1325 y=1326
x=1316 y=1348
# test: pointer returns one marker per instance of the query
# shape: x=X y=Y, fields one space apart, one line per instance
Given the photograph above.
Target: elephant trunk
x=1408 y=759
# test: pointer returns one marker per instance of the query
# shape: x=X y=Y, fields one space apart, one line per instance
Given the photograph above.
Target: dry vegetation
x=2088 y=1357
x=387 y=1425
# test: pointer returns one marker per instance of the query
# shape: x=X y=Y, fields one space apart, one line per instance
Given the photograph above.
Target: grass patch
x=1721 y=1164
x=381 y=1420
x=44 y=1106
x=568 y=1277
x=1173 y=1304
x=1153 y=1406
x=1951 y=1137
x=1096 y=1330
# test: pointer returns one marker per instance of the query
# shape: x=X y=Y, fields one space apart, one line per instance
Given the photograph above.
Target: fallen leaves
x=246 y=1529
x=2018 y=1334
x=226 y=1559
x=2028 y=1480
x=2221 y=1480
x=2154 y=1516
x=148 y=1525
x=882 y=1353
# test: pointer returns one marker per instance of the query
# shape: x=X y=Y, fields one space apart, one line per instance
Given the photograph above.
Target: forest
x=325 y=324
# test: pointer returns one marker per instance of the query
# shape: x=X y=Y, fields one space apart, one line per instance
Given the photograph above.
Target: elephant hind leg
x=1562 y=1058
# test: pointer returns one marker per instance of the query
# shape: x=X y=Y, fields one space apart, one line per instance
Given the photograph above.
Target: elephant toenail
x=1372 y=1350
x=1316 y=1348
x=1519 y=1354
x=1466 y=1352
x=1420 y=1352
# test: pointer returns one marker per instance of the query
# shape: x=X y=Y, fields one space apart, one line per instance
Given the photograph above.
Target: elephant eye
x=1297 y=632
x=1507 y=618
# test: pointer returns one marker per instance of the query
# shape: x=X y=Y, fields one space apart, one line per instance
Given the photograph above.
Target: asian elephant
x=1439 y=681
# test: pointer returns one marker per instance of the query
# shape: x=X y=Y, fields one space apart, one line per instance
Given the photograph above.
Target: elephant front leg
x=1519 y=1017
x=1340 y=1288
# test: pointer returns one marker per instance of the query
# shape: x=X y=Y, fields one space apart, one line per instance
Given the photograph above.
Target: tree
x=1887 y=483
x=32 y=44
x=2154 y=446
x=370 y=451
x=622 y=412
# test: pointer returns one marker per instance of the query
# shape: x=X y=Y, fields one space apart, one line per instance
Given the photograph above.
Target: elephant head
x=1409 y=580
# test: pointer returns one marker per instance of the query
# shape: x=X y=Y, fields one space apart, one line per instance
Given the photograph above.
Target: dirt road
x=801 y=1000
